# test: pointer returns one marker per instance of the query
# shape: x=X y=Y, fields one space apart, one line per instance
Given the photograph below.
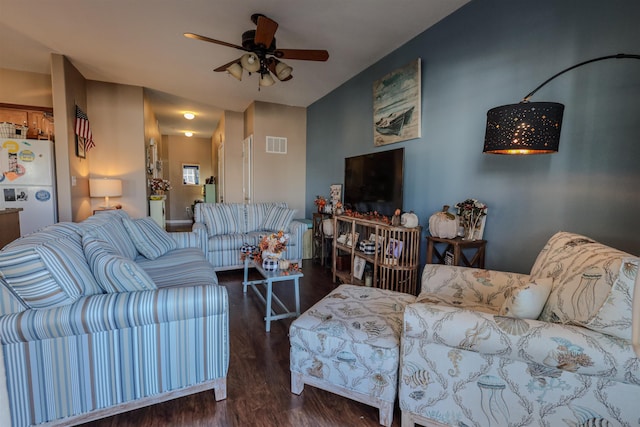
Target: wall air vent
x=276 y=145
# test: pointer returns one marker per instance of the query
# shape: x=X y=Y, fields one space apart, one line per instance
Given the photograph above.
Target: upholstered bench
x=349 y=344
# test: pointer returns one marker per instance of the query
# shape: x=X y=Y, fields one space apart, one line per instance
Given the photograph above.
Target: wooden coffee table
x=270 y=277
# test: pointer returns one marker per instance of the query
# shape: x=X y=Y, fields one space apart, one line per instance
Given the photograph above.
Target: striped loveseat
x=224 y=228
x=105 y=316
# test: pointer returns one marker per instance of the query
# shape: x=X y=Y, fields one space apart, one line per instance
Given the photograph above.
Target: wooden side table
x=456 y=246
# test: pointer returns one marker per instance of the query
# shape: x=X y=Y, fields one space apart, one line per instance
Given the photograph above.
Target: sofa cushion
x=109 y=227
x=220 y=219
x=179 y=267
x=454 y=301
x=583 y=272
x=527 y=302
x=278 y=218
x=114 y=272
x=48 y=268
x=615 y=315
x=150 y=240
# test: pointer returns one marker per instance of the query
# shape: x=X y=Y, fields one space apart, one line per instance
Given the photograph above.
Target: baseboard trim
x=178 y=221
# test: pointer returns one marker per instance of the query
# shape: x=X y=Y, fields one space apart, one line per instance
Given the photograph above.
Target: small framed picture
x=394 y=249
x=448 y=258
x=80 y=147
x=335 y=193
x=358 y=267
x=353 y=239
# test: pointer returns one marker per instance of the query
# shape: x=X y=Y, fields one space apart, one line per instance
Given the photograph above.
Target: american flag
x=83 y=129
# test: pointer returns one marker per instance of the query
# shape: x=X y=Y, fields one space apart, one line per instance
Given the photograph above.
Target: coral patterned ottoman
x=349 y=344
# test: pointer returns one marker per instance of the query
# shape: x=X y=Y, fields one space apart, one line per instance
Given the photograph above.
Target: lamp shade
x=250 y=62
x=105 y=187
x=235 y=70
x=524 y=128
x=266 y=79
x=283 y=70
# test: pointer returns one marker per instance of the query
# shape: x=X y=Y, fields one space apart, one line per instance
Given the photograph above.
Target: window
x=191 y=174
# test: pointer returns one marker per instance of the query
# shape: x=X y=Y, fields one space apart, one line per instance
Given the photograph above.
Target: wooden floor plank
x=258 y=383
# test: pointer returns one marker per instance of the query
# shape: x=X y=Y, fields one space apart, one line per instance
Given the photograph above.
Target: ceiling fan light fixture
x=235 y=70
x=266 y=80
x=283 y=70
x=250 y=62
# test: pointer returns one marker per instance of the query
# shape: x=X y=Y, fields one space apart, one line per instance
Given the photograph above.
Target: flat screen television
x=373 y=182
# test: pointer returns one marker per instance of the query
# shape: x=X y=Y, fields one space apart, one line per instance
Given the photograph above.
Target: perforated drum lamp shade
x=105 y=187
x=530 y=127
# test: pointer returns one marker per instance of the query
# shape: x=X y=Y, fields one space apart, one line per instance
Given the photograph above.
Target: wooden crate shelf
x=394 y=266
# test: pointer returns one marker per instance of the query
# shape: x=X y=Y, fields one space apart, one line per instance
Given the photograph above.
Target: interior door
x=220 y=173
x=247 y=169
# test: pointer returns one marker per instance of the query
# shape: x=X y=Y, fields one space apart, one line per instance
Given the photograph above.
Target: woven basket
x=11 y=130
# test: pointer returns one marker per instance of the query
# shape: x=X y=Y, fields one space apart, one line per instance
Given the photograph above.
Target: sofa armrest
x=545 y=346
x=296 y=232
x=200 y=229
x=186 y=239
x=469 y=285
x=104 y=312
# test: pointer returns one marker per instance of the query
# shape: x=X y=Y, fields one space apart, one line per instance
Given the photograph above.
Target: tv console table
x=394 y=265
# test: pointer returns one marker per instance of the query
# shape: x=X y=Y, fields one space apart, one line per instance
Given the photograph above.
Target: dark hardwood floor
x=258 y=383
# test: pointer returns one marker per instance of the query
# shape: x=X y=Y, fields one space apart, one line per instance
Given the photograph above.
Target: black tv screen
x=373 y=182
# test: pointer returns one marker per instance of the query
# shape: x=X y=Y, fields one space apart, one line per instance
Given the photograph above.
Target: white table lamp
x=105 y=187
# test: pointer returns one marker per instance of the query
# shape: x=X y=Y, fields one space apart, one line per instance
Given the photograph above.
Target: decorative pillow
x=278 y=218
x=220 y=219
x=113 y=272
x=47 y=270
x=615 y=315
x=583 y=272
x=528 y=301
x=108 y=225
x=150 y=240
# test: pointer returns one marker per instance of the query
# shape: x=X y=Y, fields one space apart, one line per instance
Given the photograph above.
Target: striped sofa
x=105 y=316
x=223 y=228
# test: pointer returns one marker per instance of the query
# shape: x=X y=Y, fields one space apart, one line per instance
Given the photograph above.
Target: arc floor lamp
x=530 y=127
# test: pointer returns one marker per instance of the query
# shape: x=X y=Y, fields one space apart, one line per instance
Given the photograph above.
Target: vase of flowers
x=470 y=213
x=159 y=186
x=272 y=246
x=320 y=203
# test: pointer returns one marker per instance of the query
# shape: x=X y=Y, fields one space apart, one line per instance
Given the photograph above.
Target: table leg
x=269 y=295
x=297 y=291
x=246 y=274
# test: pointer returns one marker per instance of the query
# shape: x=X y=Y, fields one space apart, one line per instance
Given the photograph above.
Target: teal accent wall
x=491 y=53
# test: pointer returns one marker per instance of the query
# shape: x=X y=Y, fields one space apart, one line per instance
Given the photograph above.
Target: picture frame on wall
x=81 y=147
x=397 y=99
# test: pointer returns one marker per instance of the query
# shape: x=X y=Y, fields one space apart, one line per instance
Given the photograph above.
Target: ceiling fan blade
x=210 y=40
x=302 y=54
x=225 y=66
x=265 y=31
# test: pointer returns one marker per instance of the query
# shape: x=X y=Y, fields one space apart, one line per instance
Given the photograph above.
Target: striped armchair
x=75 y=348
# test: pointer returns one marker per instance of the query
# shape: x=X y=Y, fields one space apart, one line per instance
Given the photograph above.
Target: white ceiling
x=140 y=42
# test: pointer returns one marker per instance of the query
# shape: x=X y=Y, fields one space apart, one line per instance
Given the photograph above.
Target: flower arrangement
x=274 y=243
x=470 y=212
x=159 y=185
x=320 y=203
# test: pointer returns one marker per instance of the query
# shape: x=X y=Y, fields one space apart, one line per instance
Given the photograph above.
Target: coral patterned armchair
x=552 y=348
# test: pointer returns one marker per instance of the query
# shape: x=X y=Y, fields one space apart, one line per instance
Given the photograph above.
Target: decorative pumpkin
x=409 y=220
x=443 y=224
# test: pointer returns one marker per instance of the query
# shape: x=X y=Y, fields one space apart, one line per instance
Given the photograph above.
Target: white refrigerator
x=27 y=181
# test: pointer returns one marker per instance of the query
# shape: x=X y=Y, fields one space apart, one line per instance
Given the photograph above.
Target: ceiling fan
x=263 y=56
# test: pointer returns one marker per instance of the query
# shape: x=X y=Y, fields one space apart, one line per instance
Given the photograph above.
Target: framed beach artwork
x=396 y=105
